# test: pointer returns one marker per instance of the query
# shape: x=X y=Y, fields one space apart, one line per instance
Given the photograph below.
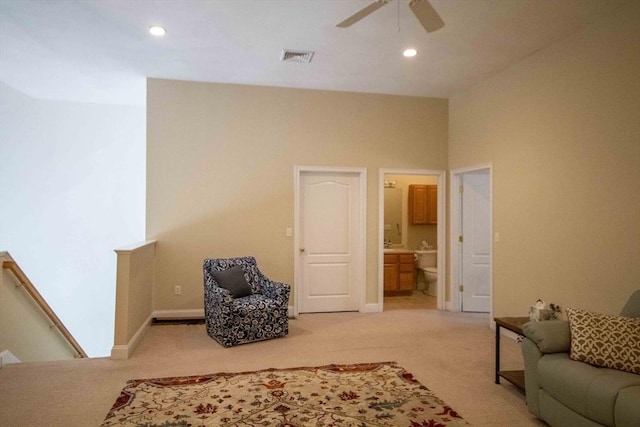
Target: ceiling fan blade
x=427 y=15
x=362 y=13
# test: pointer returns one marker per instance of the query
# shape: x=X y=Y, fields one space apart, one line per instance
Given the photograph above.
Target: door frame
x=442 y=181
x=298 y=171
x=456 y=224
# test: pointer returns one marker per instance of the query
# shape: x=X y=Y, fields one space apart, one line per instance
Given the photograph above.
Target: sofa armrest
x=550 y=336
x=632 y=307
x=531 y=355
x=547 y=336
x=276 y=290
x=215 y=295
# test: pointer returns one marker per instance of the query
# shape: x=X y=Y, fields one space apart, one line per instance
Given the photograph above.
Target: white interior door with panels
x=330 y=246
x=472 y=243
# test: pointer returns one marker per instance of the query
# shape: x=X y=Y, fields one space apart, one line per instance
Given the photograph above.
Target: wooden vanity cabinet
x=391 y=268
x=423 y=204
x=399 y=273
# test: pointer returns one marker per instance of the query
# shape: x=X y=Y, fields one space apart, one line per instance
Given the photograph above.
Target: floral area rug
x=367 y=394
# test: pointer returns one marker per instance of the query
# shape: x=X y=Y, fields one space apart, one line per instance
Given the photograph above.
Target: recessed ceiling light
x=157 y=31
x=410 y=52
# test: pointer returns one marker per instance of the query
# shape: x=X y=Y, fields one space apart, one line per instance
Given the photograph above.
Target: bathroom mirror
x=393 y=215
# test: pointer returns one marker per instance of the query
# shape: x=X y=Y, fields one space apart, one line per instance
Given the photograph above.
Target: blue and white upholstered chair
x=241 y=304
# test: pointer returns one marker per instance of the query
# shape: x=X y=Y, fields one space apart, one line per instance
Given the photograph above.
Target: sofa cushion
x=233 y=280
x=254 y=305
x=604 y=340
x=627 y=411
x=585 y=389
x=555 y=413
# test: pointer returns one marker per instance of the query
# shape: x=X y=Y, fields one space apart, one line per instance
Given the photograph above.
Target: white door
x=476 y=241
x=330 y=245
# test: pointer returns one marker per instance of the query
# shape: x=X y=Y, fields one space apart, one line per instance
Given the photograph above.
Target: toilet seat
x=430 y=270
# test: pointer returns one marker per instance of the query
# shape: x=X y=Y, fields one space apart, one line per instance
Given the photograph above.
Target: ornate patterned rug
x=367 y=394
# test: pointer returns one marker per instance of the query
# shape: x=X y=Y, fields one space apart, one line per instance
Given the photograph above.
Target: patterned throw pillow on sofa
x=604 y=340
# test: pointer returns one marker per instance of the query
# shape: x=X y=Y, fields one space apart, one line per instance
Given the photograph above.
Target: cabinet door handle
x=301 y=249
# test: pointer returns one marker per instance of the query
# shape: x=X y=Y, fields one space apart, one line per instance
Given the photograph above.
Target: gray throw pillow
x=232 y=279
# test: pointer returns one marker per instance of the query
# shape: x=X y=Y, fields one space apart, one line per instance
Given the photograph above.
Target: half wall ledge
x=134 y=296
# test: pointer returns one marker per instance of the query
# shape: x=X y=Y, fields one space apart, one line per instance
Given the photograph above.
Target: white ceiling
x=100 y=50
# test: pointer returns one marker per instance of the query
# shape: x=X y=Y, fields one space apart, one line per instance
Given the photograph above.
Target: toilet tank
x=427 y=258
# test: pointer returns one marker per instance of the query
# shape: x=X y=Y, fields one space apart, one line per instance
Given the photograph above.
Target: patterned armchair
x=259 y=316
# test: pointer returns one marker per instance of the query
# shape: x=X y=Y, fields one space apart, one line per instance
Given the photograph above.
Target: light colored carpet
x=450 y=353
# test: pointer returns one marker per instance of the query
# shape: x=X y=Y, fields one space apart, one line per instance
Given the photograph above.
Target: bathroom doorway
x=402 y=236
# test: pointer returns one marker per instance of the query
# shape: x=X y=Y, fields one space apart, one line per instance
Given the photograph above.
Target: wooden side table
x=514 y=324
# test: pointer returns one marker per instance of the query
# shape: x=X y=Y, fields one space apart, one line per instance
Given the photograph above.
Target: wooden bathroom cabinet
x=399 y=274
x=423 y=204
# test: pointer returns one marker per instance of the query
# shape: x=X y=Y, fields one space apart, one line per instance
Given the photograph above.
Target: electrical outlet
x=177 y=290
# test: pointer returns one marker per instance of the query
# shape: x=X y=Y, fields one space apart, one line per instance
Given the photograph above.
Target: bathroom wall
x=393 y=222
x=562 y=129
x=221 y=163
x=413 y=235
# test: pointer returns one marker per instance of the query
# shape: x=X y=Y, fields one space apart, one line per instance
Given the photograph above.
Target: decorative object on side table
x=539 y=311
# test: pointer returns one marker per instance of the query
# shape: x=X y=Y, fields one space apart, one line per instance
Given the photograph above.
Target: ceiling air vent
x=296 y=56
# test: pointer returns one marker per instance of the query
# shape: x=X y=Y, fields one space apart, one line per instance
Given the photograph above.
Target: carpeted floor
x=452 y=354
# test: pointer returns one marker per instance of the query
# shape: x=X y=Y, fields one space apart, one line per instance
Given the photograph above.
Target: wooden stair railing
x=30 y=288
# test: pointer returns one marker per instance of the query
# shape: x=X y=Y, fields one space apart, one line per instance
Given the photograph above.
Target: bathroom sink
x=397 y=250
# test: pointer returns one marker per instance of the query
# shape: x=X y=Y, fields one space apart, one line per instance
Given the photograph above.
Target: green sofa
x=565 y=392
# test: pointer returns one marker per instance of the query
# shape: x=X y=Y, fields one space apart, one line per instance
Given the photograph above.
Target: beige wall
x=562 y=129
x=134 y=296
x=220 y=163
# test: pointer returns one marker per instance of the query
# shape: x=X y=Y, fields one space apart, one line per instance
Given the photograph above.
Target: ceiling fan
x=422 y=9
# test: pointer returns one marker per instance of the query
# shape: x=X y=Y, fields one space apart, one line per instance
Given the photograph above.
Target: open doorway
x=411 y=230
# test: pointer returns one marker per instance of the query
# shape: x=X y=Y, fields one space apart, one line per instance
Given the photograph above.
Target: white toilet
x=427 y=262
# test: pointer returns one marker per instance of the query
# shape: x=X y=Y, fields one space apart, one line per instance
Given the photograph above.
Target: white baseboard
x=368 y=308
x=371 y=308
x=122 y=352
x=193 y=313
x=7 y=358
